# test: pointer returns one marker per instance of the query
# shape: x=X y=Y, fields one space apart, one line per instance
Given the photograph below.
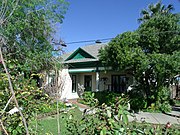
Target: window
x=118 y=83
x=73 y=83
x=88 y=82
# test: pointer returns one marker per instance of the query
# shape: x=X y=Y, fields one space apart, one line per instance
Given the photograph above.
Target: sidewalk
x=155 y=118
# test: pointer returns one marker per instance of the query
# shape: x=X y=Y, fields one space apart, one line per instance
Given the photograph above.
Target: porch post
x=97 y=81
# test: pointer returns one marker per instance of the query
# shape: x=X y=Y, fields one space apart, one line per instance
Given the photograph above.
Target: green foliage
x=177 y=102
x=108 y=98
x=28 y=32
x=137 y=99
x=30 y=99
x=112 y=120
x=26 y=28
x=150 y=54
x=50 y=108
x=155 y=9
x=104 y=120
x=163 y=102
x=99 y=98
x=88 y=99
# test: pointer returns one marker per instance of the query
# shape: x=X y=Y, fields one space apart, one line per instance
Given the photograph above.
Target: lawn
x=48 y=125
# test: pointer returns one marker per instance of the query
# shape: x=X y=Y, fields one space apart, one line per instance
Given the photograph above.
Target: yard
x=48 y=124
x=107 y=119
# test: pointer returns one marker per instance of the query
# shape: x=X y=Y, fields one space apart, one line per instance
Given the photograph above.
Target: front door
x=88 y=82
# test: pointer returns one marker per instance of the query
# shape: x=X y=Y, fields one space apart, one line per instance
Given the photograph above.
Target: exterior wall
x=80 y=79
x=67 y=86
x=105 y=82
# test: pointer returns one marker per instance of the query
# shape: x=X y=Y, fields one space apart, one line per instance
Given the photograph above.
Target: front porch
x=93 y=80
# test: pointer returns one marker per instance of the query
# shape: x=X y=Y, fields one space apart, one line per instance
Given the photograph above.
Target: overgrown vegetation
x=88 y=98
x=26 y=29
x=113 y=120
x=98 y=98
x=150 y=54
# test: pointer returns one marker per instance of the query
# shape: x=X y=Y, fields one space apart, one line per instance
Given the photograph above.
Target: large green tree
x=154 y=9
x=26 y=29
x=151 y=54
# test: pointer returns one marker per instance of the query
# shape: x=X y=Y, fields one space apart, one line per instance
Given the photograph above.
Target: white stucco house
x=84 y=68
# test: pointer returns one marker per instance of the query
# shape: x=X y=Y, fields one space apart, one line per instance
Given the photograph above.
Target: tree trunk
x=147 y=90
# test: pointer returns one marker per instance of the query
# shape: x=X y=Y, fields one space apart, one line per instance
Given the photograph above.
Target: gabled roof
x=80 y=54
x=87 y=53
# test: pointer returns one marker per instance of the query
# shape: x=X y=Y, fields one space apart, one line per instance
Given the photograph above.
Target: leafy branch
x=12 y=91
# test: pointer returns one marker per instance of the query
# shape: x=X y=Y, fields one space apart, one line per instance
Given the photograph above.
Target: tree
x=150 y=54
x=25 y=34
x=29 y=32
x=154 y=9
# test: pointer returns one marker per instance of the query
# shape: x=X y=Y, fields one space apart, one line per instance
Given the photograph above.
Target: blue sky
x=100 y=19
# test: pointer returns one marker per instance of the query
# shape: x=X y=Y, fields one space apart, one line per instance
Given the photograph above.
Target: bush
x=137 y=99
x=163 y=99
x=113 y=120
x=110 y=120
x=99 y=98
x=88 y=99
x=108 y=98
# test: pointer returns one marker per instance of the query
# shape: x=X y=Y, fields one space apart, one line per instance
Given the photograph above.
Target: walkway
x=156 y=118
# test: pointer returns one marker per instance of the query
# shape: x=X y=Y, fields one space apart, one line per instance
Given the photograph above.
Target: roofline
x=70 y=56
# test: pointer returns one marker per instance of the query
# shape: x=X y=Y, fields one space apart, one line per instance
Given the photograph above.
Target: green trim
x=82 y=65
x=81 y=70
x=79 y=54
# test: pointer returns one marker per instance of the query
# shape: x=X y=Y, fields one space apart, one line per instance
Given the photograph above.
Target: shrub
x=88 y=99
x=108 y=98
x=163 y=99
x=101 y=97
x=110 y=120
x=137 y=99
x=113 y=120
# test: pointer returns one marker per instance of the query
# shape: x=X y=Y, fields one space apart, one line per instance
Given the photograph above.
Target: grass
x=48 y=125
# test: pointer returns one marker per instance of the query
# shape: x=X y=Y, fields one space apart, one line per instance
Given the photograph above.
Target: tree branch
x=1 y=123
x=12 y=91
x=16 y=4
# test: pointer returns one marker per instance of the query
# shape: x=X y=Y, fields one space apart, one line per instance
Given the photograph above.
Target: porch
x=97 y=80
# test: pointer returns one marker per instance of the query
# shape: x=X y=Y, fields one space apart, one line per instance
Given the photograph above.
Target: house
x=84 y=68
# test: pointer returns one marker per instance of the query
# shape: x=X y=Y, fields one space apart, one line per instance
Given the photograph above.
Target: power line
x=105 y=39
x=85 y=41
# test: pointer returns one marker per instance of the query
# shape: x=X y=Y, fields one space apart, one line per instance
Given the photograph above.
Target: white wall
x=67 y=88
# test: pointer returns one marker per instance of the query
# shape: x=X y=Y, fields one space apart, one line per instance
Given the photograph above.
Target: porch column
x=97 y=81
